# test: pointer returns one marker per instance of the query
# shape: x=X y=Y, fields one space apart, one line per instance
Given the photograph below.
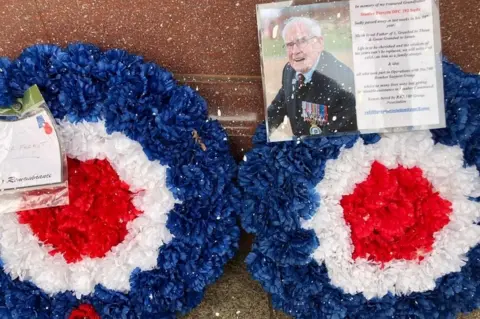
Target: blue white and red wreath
x=150 y=221
x=371 y=226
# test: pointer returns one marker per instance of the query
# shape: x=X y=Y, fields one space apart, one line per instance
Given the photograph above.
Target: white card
x=396 y=63
x=30 y=153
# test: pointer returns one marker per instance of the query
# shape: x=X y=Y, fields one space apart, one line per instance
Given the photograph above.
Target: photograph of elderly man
x=317 y=92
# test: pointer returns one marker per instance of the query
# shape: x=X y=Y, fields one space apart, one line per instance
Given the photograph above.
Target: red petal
x=84 y=311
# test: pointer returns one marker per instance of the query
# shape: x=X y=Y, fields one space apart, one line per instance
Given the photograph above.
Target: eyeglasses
x=301 y=43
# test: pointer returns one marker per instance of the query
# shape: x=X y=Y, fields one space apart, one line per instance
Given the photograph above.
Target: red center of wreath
x=96 y=218
x=84 y=311
x=394 y=214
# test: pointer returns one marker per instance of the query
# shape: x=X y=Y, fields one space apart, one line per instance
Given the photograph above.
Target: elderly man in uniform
x=317 y=89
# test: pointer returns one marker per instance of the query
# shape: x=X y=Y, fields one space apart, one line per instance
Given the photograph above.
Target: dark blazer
x=331 y=67
x=321 y=90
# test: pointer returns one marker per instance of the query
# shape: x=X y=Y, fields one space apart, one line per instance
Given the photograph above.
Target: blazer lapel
x=289 y=82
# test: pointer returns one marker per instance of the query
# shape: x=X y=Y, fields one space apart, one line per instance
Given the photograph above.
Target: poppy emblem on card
x=47 y=128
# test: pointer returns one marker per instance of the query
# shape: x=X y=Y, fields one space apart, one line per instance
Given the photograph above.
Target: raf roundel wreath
x=151 y=216
x=371 y=226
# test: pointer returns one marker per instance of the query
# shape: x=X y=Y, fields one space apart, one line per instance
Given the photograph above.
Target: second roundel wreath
x=150 y=221
x=371 y=226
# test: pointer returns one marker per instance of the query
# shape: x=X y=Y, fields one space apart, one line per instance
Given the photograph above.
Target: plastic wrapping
x=33 y=164
x=351 y=66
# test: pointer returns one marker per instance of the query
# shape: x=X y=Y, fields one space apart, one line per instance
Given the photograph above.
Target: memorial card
x=353 y=66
